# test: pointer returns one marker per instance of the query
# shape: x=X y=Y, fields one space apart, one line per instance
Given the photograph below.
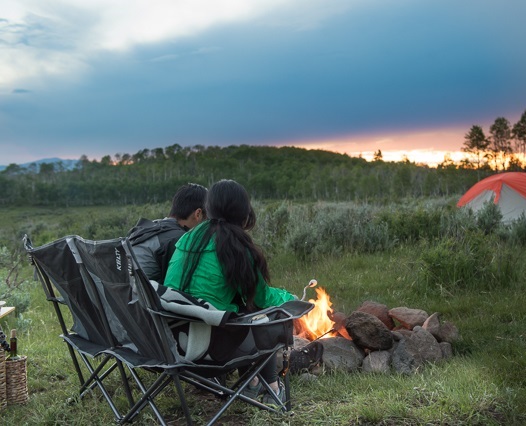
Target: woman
x=218 y=261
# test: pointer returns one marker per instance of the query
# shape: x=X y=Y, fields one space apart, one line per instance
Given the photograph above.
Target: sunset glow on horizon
x=429 y=147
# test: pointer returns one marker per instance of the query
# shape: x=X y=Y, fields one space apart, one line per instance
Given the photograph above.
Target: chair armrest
x=274 y=314
x=173 y=315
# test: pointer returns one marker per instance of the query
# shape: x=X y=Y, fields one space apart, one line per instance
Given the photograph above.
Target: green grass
x=483 y=384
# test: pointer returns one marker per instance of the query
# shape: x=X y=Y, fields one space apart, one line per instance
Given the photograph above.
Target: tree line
x=152 y=176
x=504 y=148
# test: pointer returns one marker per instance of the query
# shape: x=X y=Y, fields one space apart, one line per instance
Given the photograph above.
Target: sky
x=106 y=77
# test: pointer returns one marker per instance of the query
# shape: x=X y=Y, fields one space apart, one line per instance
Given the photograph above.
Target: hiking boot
x=252 y=391
x=306 y=357
x=269 y=400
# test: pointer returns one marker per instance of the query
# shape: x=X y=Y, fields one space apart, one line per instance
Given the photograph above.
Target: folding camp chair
x=199 y=327
x=170 y=333
x=58 y=265
x=89 y=336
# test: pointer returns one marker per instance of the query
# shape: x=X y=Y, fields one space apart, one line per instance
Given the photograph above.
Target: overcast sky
x=101 y=77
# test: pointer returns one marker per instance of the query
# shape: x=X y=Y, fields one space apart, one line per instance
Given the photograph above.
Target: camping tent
x=506 y=190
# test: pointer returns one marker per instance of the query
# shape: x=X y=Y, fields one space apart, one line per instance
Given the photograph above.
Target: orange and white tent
x=506 y=190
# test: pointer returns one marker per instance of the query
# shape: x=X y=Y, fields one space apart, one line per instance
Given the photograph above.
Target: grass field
x=483 y=384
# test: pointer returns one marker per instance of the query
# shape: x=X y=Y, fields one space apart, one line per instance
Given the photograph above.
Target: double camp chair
x=150 y=336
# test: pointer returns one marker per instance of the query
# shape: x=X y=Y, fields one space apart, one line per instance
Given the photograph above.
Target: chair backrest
x=108 y=271
x=58 y=270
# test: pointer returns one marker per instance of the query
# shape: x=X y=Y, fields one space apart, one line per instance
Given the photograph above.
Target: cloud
x=176 y=56
x=51 y=37
x=37 y=44
x=116 y=76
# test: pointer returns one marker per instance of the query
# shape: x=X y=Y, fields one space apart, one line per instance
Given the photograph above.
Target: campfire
x=317 y=323
x=371 y=338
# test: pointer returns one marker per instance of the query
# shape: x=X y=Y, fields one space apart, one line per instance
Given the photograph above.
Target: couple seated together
x=203 y=249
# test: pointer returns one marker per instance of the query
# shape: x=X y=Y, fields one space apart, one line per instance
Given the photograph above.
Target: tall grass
x=429 y=256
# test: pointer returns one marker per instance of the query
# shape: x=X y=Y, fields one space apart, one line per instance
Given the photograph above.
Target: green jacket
x=208 y=281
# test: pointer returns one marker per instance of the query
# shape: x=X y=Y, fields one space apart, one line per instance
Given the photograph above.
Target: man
x=154 y=241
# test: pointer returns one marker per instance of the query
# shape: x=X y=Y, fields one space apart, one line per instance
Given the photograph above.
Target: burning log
x=339 y=319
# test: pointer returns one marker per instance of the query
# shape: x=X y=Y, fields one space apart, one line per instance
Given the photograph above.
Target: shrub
x=517 y=231
x=303 y=243
x=474 y=260
x=457 y=222
x=12 y=288
x=271 y=225
x=489 y=217
x=332 y=229
x=407 y=224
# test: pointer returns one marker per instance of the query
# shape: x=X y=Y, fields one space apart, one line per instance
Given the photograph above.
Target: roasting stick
x=332 y=330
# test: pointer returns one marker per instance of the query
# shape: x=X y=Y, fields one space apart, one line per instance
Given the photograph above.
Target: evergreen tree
x=500 y=145
x=476 y=143
x=519 y=134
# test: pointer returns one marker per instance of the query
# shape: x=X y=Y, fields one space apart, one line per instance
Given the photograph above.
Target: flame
x=317 y=323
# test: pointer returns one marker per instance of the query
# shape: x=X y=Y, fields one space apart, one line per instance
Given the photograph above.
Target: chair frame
x=170 y=366
x=78 y=347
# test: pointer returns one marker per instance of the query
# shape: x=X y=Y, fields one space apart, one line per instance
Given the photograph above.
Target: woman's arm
x=267 y=296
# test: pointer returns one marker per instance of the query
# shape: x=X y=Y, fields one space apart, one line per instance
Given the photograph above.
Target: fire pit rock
x=414 y=351
x=340 y=353
x=448 y=333
x=376 y=339
x=408 y=317
x=368 y=332
x=379 y=310
x=377 y=362
x=442 y=331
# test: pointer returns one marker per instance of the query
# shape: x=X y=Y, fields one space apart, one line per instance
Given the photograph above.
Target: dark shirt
x=153 y=243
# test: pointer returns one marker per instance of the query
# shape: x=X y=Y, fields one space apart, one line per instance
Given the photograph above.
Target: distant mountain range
x=67 y=164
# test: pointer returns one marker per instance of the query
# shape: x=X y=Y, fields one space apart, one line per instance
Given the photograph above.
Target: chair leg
x=215 y=385
x=182 y=398
x=125 y=383
x=149 y=400
x=286 y=382
x=95 y=380
x=159 y=384
x=76 y=364
x=237 y=394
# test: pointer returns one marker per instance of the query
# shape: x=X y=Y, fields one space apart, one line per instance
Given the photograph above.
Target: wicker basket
x=3 y=395
x=16 y=383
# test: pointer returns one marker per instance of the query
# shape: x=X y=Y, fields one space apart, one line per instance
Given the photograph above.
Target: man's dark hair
x=188 y=199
